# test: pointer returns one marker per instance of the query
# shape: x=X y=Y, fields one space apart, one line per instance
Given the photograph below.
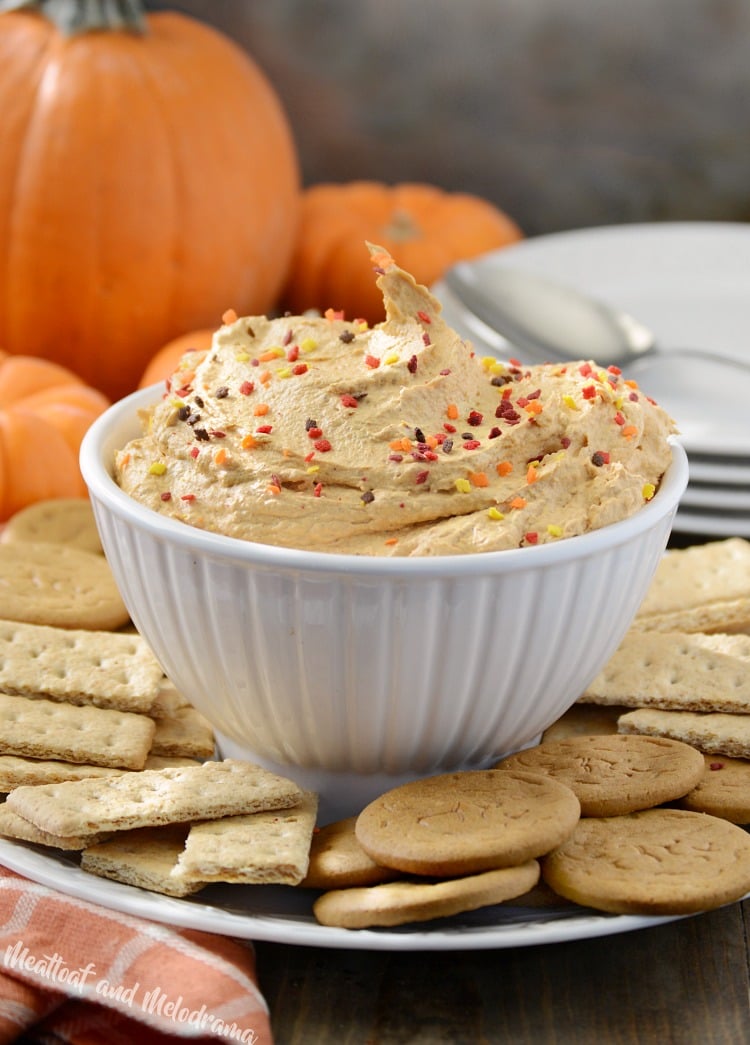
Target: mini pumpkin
x=45 y=410
x=166 y=360
x=424 y=228
x=148 y=181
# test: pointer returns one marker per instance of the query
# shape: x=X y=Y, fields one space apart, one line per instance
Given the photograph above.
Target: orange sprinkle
x=401 y=444
x=518 y=502
x=531 y=474
x=478 y=479
x=504 y=468
x=534 y=407
x=125 y=460
x=265 y=377
x=629 y=431
x=332 y=313
x=452 y=412
x=271 y=353
x=230 y=316
x=630 y=383
x=220 y=456
x=381 y=260
x=274 y=489
x=392 y=540
x=248 y=442
x=261 y=410
x=431 y=441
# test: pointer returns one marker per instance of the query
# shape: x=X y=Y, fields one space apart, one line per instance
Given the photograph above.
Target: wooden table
x=679 y=983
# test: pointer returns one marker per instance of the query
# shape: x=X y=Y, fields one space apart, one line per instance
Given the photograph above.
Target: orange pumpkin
x=165 y=361
x=45 y=410
x=148 y=182
x=424 y=228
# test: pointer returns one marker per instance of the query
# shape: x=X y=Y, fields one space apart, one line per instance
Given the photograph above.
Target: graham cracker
x=49 y=730
x=705 y=587
x=676 y=671
x=17 y=771
x=14 y=826
x=712 y=732
x=168 y=700
x=106 y=669
x=143 y=857
x=185 y=733
x=258 y=849
x=153 y=797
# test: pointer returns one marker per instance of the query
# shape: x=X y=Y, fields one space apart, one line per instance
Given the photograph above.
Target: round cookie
x=43 y=583
x=464 y=822
x=657 y=861
x=396 y=903
x=724 y=790
x=338 y=861
x=614 y=774
x=64 y=520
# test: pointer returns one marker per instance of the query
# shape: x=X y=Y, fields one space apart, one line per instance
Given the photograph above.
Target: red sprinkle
x=314 y=433
x=471 y=444
x=166 y=496
x=264 y=429
x=322 y=445
x=531 y=538
x=349 y=400
x=411 y=366
x=474 y=418
x=318 y=490
x=716 y=765
x=188 y=497
x=423 y=316
x=421 y=477
x=372 y=361
x=449 y=427
x=247 y=387
x=293 y=354
x=194 y=451
x=588 y=392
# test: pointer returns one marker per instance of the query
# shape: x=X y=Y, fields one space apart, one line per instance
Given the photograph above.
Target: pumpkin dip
x=324 y=434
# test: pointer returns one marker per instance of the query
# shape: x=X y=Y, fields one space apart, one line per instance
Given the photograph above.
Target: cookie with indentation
x=338 y=861
x=656 y=861
x=723 y=790
x=465 y=822
x=614 y=774
x=61 y=520
x=397 y=903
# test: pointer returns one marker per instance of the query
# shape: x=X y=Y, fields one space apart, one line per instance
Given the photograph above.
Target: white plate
x=688 y=281
x=283 y=915
x=717 y=524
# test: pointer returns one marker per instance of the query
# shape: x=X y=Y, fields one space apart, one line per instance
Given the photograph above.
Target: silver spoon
x=551 y=321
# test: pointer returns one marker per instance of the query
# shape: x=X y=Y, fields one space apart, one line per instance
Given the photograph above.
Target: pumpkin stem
x=83 y=16
x=402 y=227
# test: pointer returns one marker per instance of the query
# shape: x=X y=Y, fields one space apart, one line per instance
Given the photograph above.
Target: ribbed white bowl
x=369 y=665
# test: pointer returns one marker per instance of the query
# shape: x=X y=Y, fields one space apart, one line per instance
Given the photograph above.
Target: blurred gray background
x=566 y=113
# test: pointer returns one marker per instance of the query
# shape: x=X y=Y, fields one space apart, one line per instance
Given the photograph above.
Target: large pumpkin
x=423 y=227
x=148 y=182
x=45 y=410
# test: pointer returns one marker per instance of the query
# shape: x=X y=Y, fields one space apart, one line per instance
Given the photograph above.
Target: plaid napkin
x=72 y=971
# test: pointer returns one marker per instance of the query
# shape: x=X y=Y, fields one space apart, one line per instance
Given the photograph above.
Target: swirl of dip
x=323 y=434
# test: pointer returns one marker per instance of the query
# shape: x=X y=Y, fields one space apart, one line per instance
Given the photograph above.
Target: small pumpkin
x=424 y=228
x=45 y=410
x=148 y=181
x=165 y=361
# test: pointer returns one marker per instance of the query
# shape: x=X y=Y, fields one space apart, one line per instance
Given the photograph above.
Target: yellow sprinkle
x=308 y=344
x=554 y=531
x=648 y=491
x=284 y=371
x=362 y=325
x=242 y=357
x=495 y=513
x=391 y=358
x=463 y=485
x=570 y=402
x=275 y=352
x=157 y=468
x=313 y=469
x=488 y=362
x=618 y=402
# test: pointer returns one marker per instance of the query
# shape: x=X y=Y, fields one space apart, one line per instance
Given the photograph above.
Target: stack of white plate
x=690 y=283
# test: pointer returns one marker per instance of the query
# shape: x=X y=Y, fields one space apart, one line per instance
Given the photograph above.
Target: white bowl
x=343 y=669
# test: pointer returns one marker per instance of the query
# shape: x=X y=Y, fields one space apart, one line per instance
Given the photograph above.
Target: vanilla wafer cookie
x=153 y=797
x=106 y=669
x=257 y=848
x=338 y=861
x=95 y=736
x=398 y=903
x=657 y=861
x=713 y=732
x=144 y=857
x=676 y=671
x=44 y=583
x=723 y=790
x=705 y=587
x=614 y=774
x=62 y=520
x=465 y=822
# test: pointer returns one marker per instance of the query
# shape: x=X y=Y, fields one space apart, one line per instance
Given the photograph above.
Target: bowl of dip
x=346 y=598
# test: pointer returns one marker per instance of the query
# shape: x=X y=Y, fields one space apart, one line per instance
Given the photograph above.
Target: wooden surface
x=679 y=983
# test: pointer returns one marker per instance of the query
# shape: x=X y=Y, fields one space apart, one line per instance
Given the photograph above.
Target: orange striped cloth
x=74 y=972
